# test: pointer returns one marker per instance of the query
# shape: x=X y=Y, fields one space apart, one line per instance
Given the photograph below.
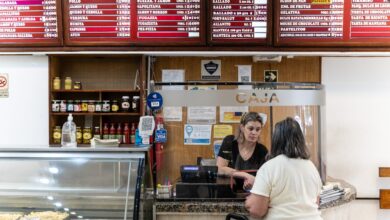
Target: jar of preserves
x=98 y=106
x=125 y=104
x=63 y=106
x=55 y=105
x=135 y=104
x=77 y=85
x=91 y=106
x=114 y=106
x=84 y=106
x=68 y=83
x=56 y=83
x=77 y=106
x=57 y=135
x=69 y=106
x=79 y=135
x=87 y=135
x=106 y=106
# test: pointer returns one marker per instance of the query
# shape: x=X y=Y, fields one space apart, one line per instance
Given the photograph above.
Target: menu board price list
x=238 y=19
x=168 y=19
x=99 y=19
x=316 y=19
x=370 y=18
x=25 y=21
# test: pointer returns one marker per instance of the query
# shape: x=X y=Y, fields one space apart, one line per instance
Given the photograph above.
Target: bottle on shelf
x=126 y=134
x=68 y=83
x=106 y=131
x=56 y=83
x=119 y=133
x=68 y=137
x=112 y=132
x=132 y=134
x=79 y=135
x=96 y=132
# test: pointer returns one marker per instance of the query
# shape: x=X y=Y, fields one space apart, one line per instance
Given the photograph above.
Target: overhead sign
x=4 y=85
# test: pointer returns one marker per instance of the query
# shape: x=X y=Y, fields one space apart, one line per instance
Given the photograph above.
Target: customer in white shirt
x=288 y=185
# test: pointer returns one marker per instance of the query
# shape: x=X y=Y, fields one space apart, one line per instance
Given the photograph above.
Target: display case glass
x=70 y=184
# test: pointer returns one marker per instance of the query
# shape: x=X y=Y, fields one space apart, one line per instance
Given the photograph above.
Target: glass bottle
x=125 y=104
x=69 y=106
x=63 y=106
x=91 y=106
x=112 y=131
x=57 y=135
x=68 y=83
x=114 y=106
x=79 y=135
x=135 y=104
x=77 y=106
x=126 y=134
x=106 y=106
x=84 y=106
x=106 y=131
x=119 y=133
x=96 y=132
x=56 y=83
x=98 y=106
x=55 y=106
x=87 y=135
x=132 y=134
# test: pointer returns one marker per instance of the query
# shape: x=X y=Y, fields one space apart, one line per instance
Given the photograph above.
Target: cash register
x=202 y=181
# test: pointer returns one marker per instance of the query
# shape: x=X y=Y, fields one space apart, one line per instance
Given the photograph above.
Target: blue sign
x=154 y=101
x=161 y=136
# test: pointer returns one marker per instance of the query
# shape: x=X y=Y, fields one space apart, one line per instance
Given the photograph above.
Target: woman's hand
x=248 y=179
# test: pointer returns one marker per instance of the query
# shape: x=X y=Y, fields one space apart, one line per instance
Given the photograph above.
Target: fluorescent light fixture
x=53 y=170
x=66 y=209
x=73 y=213
x=44 y=180
x=79 y=216
x=58 y=204
x=50 y=197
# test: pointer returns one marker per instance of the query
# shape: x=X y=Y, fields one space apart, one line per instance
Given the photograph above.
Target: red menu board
x=29 y=22
x=94 y=22
x=333 y=22
x=170 y=21
x=239 y=21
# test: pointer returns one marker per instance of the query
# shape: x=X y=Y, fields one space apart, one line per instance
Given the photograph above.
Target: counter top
x=46 y=148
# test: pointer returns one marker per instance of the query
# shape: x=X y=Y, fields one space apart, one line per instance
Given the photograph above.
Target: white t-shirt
x=292 y=186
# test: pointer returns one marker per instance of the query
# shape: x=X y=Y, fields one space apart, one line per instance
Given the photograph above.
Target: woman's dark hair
x=245 y=118
x=288 y=139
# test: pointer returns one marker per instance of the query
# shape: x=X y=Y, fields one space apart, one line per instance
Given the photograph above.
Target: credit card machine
x=198 y=174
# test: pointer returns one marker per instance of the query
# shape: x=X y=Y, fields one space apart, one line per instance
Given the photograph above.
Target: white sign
x=204 y=114
x=146 y=125
x=173 y=113
x=197 y=134
x=4 y=82
x=173 y=76
x=244 y=75
x=211 y=69
x=231 y=114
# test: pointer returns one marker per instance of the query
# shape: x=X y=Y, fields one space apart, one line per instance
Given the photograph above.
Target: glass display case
x=47 y=183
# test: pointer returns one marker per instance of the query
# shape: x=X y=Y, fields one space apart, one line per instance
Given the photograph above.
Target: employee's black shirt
x=229 y=151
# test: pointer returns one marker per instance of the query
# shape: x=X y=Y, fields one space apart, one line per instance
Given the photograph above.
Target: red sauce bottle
x=126 y=134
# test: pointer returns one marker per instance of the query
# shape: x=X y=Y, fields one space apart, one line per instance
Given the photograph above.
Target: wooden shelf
x=97 y=113
x=89 y=146
x=94 y=91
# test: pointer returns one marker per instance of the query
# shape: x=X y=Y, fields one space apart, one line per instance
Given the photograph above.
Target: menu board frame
x=258 y=42
x=201 y=41
x=39 y=42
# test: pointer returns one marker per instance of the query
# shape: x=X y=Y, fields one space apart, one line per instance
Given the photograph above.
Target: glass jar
x=63 y=106
x=114 y=106
x=98 y=106
x=77 y=106
x=57 y=135
x=69 y=106
x=77 y=85
x=84 y=106
x=55 y=105
x=135 y=104
x=91 y=106
x=87 y=135
x=56 y=83
x=79 y=135
x=106 y=106
x=125 y=104
x=68 y=83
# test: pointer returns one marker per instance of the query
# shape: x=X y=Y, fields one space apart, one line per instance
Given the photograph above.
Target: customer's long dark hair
x=288 y=139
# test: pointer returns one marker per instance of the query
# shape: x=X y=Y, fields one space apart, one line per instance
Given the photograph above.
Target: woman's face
x=251 y=131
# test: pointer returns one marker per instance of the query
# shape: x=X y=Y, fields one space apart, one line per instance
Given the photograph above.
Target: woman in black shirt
x=243 y=152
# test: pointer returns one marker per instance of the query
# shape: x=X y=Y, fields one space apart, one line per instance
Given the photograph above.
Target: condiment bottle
x=56 y=83
x=57 y=135
x=106 y=106
x=91 y=106
x=68 y=83
x=126 y=134
x=77 y=106
x=125 y=104
x=114 y=106
x=96 y=132
x=106 y=131
x=132 y=134
x=79 y=135
x=55 y=106
x=63 y=106
x=87 y=135
x=69 y=106
x=119 y=133
x=98 y=106
x=135 y=104
x=84 y=106
x=112 y=131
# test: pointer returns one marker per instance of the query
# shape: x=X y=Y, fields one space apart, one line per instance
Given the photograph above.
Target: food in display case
x=10 y=215
x=48 y=215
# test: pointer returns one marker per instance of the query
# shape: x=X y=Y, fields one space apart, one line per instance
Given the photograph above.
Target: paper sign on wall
x=173 y=113
x=244 y=75
x=197 y=134
x=221 y=131
x=4 y=81
x=231 y=114
x=201 y=114
x=211 y=69
x=173 y=76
